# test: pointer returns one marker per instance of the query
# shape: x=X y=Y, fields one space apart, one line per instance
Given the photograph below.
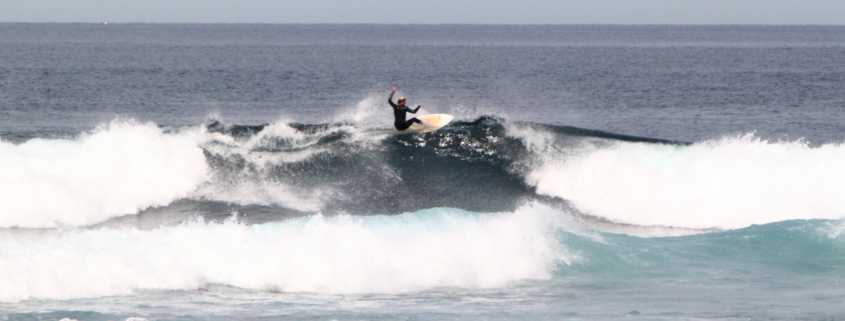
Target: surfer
x=400 y=110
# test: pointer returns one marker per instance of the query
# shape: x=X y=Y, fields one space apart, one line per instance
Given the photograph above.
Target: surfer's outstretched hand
x=393 y=90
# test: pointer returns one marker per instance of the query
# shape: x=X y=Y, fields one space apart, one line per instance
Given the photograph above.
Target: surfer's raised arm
x=390 y=98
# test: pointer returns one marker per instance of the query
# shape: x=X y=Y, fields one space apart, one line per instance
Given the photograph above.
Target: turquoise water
x=250 y=172
x=439 y=263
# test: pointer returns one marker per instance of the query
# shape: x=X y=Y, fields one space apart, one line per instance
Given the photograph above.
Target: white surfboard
x=431 y=122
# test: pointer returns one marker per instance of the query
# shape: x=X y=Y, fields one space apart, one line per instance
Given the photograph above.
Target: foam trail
x=119 y=169
x=256 y=184
x=728 y=183
x=277 y=144
x=382 y=254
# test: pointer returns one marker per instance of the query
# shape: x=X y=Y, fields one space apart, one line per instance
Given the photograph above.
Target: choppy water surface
x=218 y=172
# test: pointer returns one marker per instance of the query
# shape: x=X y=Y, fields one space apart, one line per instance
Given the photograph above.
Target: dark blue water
x=680 y=82
x=218 y=172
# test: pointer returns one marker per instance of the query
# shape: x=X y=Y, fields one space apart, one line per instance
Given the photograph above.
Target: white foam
x=119 y=169
x=834 y=230
x=371 y=254
x=727 y=183
x=259 y=183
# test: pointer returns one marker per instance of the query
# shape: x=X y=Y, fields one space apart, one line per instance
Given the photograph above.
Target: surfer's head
x=401 y=100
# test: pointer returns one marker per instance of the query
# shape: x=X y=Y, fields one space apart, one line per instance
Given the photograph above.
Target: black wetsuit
x=399 y=114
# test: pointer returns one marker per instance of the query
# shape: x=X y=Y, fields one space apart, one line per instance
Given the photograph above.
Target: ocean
x=251 y=172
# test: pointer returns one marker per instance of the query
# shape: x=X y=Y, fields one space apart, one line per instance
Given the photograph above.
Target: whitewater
x=251 y=172
x=125 y=167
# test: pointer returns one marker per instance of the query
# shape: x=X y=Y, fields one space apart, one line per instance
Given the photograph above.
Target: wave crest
x=118 y=169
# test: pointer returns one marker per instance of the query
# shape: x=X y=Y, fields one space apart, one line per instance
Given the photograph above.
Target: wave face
x=490 y=165
x=282 y=170
x=133 y=208
x=338 y=168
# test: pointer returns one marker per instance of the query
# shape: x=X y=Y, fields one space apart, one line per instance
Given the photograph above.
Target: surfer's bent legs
x=407 y=123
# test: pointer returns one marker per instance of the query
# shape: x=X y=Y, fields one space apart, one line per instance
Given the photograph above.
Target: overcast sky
x=430 y=11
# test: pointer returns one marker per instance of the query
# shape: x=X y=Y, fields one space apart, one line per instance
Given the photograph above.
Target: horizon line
x=106 y=22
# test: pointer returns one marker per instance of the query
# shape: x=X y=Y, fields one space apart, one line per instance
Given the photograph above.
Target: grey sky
x=430 y=11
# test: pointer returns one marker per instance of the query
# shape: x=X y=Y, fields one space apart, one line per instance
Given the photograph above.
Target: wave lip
x=118 y=169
